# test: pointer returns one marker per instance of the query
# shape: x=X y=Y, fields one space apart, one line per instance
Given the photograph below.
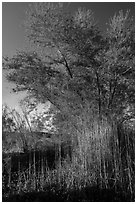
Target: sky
x=14 y=35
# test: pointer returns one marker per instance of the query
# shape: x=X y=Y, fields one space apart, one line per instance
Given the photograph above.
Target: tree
x=79 y=69
x=68 y=74
x=8 y=124
x=119 y=60
x=77 y=63
x=68 y=71
x=13 y=122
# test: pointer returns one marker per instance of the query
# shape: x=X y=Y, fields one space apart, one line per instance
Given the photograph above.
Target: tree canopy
x=79 y=67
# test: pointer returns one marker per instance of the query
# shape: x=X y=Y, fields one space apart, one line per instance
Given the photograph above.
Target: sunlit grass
x=102 y=159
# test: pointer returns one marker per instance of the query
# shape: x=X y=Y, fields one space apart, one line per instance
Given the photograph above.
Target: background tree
x=12 y=124
x=119 y=63
x=8 y=124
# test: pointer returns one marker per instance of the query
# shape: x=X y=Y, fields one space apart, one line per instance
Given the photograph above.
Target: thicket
x=88 y=78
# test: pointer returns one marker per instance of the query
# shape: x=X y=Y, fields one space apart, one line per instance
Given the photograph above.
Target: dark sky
x=13 y=31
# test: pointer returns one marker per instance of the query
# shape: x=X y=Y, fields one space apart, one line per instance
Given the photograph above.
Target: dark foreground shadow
x=88 y=194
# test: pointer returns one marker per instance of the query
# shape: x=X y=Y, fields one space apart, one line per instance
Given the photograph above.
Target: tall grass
x=103 y=156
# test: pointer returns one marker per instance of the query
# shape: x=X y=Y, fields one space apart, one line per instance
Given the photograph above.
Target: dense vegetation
x=88 y=78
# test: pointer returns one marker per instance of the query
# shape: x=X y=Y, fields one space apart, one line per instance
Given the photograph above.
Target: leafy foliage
x=119 y=62
x=79 y=65
x=8 y=123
